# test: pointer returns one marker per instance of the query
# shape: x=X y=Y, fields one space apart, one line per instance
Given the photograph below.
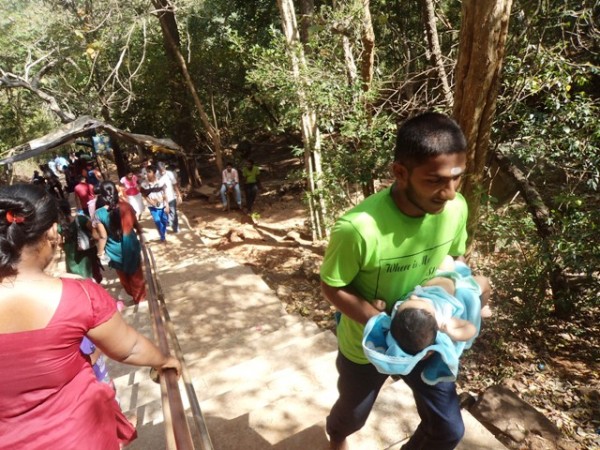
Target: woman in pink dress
x=131 y=191
x=49 y=396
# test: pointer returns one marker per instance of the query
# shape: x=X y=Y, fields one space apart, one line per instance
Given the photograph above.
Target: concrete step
x=136 y=389
x=269 y=337
x=315 y=376
x=297 y=421
x=232 y=343
x=294 y=356
x=293 y=422
x=310 y=381
x=230 y=350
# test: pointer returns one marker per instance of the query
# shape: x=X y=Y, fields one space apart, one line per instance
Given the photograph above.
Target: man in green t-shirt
x=250 y=174
x=380 y=250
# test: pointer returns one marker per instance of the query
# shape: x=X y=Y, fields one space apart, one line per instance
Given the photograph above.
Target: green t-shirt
x=383 y=254
x=250 y=175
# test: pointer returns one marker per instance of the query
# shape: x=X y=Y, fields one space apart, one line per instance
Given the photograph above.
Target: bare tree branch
x=11 y=81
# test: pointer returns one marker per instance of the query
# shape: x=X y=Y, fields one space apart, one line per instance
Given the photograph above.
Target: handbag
x=83 y=239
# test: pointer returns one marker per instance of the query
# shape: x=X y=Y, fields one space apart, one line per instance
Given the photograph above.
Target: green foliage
x=520 y=274
x=357 y=141
x=549 y=115
x=20 y=120
x=110 y=59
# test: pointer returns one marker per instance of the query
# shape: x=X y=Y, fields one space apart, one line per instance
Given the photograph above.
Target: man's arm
x=175 y=186
x=102 y=237
x=164 y=197
x=350 y=304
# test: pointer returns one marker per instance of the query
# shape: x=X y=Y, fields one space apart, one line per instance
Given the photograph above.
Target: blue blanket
x=386 y=355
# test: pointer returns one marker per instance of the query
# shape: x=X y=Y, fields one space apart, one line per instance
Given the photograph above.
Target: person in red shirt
x=84 y=193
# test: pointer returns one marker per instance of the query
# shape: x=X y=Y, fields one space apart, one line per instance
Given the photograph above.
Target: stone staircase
x=265 y=379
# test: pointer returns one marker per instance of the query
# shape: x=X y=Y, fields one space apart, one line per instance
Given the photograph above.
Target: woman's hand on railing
x=170 y=363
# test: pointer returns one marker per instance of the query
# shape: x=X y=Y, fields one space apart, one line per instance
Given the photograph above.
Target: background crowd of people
x=55 y=397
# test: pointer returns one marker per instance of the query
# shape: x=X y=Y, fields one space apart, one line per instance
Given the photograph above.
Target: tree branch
x=11 y=81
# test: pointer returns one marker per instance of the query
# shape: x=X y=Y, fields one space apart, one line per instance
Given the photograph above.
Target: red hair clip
x=11 y=218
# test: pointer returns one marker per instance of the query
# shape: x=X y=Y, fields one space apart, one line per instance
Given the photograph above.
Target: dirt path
x=273 y=243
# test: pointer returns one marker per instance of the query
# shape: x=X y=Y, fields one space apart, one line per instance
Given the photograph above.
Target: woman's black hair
x=414 y=329
x=108 y=195
x=26 y=213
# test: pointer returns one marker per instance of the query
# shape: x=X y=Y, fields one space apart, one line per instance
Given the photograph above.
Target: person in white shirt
x=154 y=192
x=168 y=178
x=231 y=181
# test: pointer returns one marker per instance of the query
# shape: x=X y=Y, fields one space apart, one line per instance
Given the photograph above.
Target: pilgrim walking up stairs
x=265 y=379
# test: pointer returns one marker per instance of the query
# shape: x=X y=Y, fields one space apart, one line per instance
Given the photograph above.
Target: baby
x=418 y=319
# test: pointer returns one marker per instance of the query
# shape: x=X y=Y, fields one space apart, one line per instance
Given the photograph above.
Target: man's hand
x=380 y=305
x=349 y=303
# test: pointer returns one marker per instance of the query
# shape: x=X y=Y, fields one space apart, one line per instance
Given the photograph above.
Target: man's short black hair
x=427 y=135
x=414 y=329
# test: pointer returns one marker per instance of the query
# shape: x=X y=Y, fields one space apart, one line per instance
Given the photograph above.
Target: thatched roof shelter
x=85 y=126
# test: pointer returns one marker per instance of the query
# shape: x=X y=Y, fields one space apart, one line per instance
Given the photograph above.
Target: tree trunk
x=366 y=72
x=351 y=71
x=435 y=51
x=482 y=39
x=307 y=9
x=189 y=171
x=561 y=292
x=120 y=160
x=310 y=131
x=368 y=41
x=119 y=157
x=163 y=7
x=183 y=129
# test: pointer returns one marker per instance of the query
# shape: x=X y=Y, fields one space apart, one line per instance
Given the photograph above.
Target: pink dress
x=134 y=196
x=130 y=185
x=49 y=396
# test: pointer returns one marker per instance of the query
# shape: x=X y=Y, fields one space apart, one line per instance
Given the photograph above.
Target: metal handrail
x=174 y=405
x=205 y=441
